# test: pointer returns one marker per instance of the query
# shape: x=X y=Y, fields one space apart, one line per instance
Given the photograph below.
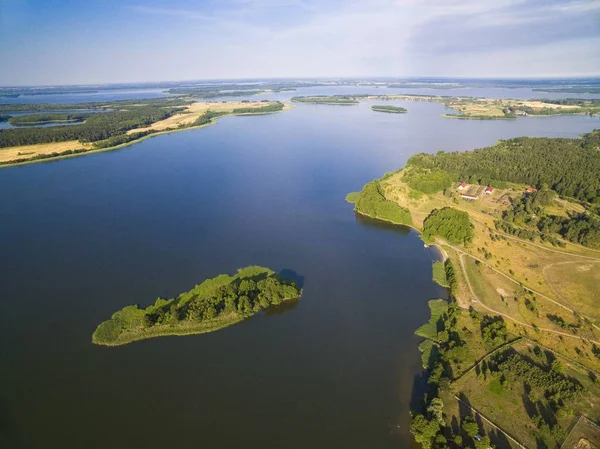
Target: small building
x=489 y=190
x=468 y=196
x=530 y=190
x=462 y=186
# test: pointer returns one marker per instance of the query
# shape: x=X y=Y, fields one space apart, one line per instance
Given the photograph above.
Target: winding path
x=521 y=323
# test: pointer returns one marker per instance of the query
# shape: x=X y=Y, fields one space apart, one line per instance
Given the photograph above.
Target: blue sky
x=105 y=41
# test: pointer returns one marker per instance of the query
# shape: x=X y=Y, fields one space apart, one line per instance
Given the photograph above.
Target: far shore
x=213 y=121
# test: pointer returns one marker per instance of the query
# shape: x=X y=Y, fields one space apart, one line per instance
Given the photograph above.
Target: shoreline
x=213 y=121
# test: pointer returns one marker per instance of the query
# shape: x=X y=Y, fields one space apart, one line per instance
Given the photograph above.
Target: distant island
x=513 y=358
x=474 y=108
x=101 y=126
x=327 y=99
x=389 y=109
x=212 y=305
x=44 y=119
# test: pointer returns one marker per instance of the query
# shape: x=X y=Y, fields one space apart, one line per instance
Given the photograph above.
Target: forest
x=570 y=167
x=97 y=127
x=211 y=305
x=92 y=105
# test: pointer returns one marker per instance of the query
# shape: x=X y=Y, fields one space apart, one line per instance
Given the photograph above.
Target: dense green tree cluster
x=570 y=167
x=451 y=224
x=38 y=119
x=221 y=299
x=427 y=180
x=577 y=228
x=371 y=202
x=493 y=330
x=556 y=386
x=528 y=205
x=97 y=127
x=273 y=107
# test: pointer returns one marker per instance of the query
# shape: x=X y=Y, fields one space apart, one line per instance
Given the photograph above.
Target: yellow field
x=194 y=111
x=29 y=151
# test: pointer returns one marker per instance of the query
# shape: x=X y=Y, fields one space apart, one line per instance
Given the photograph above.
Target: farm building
x=462 y=186
x=489 y=190
x=530 y=190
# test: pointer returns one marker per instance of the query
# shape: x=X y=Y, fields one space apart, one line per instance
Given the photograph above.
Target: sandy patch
x=502 y=292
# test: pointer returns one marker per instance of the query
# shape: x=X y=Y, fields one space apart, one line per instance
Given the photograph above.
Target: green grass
x=352 y=197
x=439 y=274
x=429 y=330
x=495 y=387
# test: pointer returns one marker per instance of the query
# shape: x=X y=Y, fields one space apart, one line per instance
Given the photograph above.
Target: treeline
x=557 y=388
x=570 y=167
x=371 y=202
x=96 y=128
x=224 y=298
x=5 y=117
x=92 y=105
x=273 y=107
x=452 y=225
x=204 y=94
x=570 y=90
x=572 y=101
x=38 y=119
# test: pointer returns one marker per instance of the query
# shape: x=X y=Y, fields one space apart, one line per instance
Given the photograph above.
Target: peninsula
x=102 y=126
x=212 y=305
x=513 y=358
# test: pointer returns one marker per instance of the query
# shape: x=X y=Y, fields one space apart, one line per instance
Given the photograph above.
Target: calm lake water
x=82 y=237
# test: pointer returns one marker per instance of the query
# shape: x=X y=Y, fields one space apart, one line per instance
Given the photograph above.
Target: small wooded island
x=389 y=109
x=212 y=305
